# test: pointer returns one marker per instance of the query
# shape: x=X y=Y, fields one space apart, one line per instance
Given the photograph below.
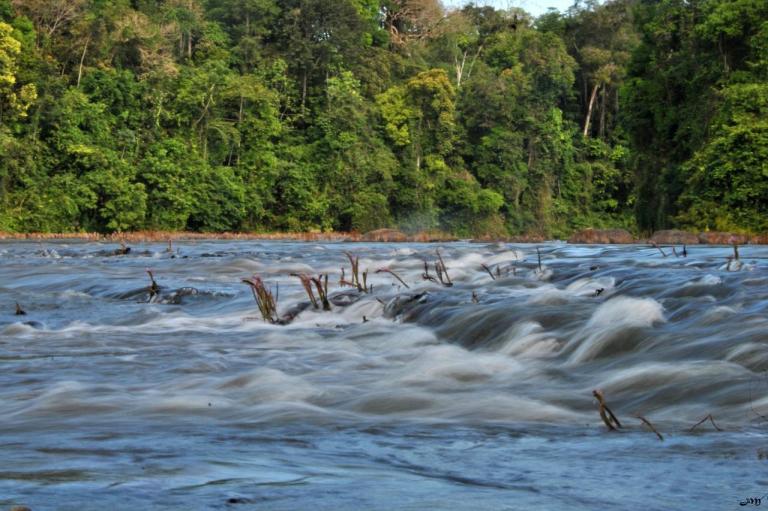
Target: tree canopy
x=218 y=115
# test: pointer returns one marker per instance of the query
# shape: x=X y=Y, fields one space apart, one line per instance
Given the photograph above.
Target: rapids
x=474 y=396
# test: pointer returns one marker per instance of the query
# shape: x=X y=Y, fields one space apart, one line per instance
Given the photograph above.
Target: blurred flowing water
x=403 y=399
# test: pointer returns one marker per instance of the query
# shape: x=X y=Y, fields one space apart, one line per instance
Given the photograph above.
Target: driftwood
x=606 y=414
x=19 y=310
x=659 y=249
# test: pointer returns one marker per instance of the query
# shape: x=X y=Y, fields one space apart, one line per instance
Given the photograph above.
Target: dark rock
x=674 y=237
x=602 y=236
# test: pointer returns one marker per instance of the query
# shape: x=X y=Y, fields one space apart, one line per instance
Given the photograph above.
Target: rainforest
x=354 y=115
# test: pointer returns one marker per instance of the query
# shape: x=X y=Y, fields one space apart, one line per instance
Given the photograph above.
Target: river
x=471 y=396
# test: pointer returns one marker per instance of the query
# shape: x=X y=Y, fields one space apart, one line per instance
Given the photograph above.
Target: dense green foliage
x=358 y=114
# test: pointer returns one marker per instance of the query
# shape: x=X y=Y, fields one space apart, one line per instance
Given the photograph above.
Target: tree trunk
x=589 y=109
x=459 y=68
x=601 y=130
x=82 y=59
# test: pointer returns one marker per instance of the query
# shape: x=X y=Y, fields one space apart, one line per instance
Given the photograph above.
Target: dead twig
x=321 y=283
x=711 y=419
x=124 y=249
x=387 y=270
x=361 y=285
x=659 y=249
x=265 y=300
x=606 y=414
x=154 y=288
x=344 y=282
x=354 y=261
x=442 y=270
x=489 y=271
x=651 y=426
x=306 y=282
x=538 y=254
x=426 y=275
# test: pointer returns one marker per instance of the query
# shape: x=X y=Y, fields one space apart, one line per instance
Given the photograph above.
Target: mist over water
x=414 y=398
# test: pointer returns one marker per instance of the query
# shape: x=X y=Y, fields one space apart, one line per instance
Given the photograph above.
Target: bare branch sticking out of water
x=154 y=289
x=475 y=298
x=123 y=250
x=426 y=275
x=651 y=426
x=538 y=255
x=265 y=300
x=354 y=261
x=606 y=414
x=19 y=310
x=702 y=421
x=489 y=271
x=659 y=249
x=442 y=270
x=321 y=283
x=343 y=280
x=735 y=252
x=387 y=270
x=306 y=283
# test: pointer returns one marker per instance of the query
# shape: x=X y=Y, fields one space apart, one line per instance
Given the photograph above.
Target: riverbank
x=585 y=236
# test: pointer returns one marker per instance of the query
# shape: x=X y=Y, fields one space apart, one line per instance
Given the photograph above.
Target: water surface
x=422 y=398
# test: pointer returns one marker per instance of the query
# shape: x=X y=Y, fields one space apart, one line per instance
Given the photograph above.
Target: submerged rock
x=602 y=236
